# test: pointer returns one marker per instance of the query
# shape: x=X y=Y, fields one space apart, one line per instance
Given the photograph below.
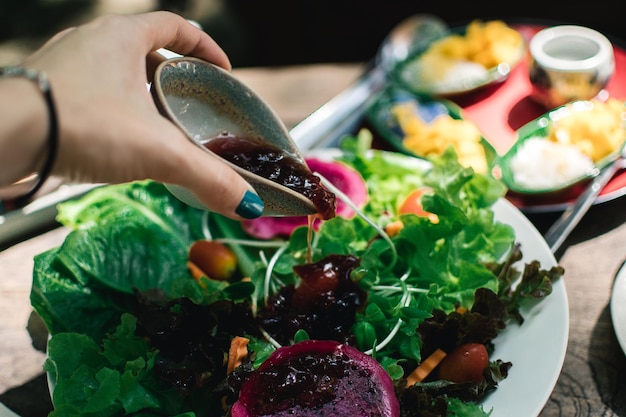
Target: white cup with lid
x=569 y=63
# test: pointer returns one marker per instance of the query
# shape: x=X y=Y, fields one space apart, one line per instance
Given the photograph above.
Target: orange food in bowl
x=429 y=139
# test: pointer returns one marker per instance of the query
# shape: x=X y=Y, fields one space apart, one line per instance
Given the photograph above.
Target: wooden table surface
x=592 y=381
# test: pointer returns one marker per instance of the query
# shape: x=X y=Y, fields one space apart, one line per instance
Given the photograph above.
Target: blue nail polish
x=251 y=206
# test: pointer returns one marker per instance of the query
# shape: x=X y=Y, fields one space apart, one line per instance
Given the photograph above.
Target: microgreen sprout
x=268 y=272
x=405 y=300
x=362 y=215
x=206 y=232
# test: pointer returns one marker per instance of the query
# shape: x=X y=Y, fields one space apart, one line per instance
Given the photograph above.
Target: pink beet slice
x=318 y=378
x=345 y=178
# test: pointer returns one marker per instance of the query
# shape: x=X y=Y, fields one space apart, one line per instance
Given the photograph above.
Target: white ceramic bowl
x=568 y=63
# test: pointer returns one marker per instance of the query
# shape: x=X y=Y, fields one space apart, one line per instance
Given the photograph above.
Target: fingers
x=58 y=36
x=133 y=126
x=153 y=59
x=170 y=31
x=222 y=190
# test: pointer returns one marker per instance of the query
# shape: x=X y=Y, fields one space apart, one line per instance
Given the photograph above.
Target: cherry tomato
x=413 y=204
x=215 y=259
x=465 y=363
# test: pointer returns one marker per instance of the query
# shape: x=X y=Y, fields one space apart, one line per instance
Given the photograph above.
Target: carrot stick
x=426 y=367
x=394 y=228
x=196 y=273
x=238 y=350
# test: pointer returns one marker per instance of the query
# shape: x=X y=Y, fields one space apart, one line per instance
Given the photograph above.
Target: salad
x=426 y=272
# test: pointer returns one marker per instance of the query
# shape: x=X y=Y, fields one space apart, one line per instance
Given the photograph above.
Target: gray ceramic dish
x=205 y=100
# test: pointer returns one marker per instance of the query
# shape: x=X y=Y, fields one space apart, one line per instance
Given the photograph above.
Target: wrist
x=23 y=129
x=28 y=132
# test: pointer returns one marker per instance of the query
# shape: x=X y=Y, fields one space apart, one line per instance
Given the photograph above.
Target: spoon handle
x=327 y=124
x=563 y=226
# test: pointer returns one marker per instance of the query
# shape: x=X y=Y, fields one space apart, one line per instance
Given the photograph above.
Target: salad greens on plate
x=135 y=333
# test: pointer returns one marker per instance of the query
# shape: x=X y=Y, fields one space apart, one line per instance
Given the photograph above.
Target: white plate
x=536 y=348
x=5 y=412
x=618 y=306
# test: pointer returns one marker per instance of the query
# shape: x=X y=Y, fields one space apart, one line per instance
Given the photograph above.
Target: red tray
x=501 y=109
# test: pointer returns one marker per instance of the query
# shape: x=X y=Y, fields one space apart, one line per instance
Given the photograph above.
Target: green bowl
x=408 y=73
x=539 y=129
x=379 y=116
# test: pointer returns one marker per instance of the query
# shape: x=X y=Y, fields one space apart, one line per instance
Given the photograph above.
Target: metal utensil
x=569 y=219
x=326 y=125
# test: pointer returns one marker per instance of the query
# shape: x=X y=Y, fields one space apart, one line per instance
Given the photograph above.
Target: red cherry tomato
x=215 y=259
x=413 y=204
x=466 y=363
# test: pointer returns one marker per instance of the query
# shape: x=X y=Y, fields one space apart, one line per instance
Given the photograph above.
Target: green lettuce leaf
x=125 y=238
x=112 y=380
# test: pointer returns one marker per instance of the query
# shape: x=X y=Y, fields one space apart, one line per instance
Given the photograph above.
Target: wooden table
x=592 y=381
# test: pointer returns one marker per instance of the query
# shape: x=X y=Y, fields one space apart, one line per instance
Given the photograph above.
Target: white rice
x=542 y=164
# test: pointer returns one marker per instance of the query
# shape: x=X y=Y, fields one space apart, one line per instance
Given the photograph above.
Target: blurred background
x=284 y=32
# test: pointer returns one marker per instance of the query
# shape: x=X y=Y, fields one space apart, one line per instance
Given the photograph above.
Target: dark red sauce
x=275 y=165
x=324 y=303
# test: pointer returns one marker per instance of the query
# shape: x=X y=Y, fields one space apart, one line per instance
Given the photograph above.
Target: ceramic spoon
x=204 y=100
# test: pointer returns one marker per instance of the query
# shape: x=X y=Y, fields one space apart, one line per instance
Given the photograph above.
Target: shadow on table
x=608 y=364
x=31 y=399
x=600 y=219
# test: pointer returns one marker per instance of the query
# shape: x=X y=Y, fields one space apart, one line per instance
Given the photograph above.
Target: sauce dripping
x=309 y=238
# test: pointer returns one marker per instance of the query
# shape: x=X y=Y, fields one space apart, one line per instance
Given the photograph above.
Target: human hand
x=110 y=129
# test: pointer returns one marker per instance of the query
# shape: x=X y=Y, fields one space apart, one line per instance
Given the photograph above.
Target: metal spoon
x=563 y=226
x=204 y=101
x=326 y=125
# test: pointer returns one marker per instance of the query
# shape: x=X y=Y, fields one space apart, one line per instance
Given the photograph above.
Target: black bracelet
x=53 y=132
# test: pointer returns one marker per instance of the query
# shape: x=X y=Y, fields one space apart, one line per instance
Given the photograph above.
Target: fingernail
x=251 y=206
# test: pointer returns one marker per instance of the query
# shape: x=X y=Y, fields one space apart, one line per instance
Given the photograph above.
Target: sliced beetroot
x=345 y=178
x=318 y=378
x=272 y=227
